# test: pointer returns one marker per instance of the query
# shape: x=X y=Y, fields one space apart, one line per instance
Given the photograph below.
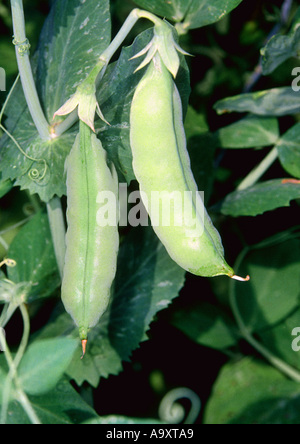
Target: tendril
x=171 y=412
x=34 y=173
x=23 y=48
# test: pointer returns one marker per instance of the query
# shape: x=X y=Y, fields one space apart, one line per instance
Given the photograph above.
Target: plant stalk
x=100 y=68
x=254 y=176
x=58 y=231
x=22 y=53
x=282 y=366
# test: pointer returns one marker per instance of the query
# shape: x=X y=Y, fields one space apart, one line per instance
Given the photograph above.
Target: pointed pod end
x=83 y=345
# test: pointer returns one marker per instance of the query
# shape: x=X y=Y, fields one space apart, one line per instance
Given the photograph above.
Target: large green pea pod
x=92 y=247
x=162 y=165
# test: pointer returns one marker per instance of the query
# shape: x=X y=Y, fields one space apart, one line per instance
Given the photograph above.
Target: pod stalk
x=241 y=279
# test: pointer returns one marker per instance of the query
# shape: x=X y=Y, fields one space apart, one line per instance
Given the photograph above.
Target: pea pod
x=91 y=255
x=161 y=164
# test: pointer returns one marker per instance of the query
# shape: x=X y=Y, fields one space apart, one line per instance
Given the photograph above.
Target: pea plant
x=127 y=185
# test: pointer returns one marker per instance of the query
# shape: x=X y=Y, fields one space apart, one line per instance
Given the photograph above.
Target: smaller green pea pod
x=92 y=248
x=162 y=165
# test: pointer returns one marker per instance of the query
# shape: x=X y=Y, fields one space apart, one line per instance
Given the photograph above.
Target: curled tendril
x=23 y=48
x=34 y=173
x=171 y=412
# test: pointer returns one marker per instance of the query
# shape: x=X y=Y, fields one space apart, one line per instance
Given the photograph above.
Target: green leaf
x=281 y=48
x=33 y=251
x=74 y=36
x=207 y=325
x=62 y=405
x=44 y=363
x=5 y=187
x=260 y=198
x=273 y=102
x=194 y=13
x=250 y=132
x=3 y=375
x=115 y=96
x=289 y=150
x=147 y=281
x=201 y=146
x=195 y=123
x=174 y=10
x=205 y=12
x=278 y=339
x=252 y=392
x=51 y=155
x=273 y=291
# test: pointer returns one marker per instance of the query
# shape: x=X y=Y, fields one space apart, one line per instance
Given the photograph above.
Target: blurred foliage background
x=226 y=58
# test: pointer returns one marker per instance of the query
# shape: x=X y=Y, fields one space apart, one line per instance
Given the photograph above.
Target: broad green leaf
x=279 y=339
x=207 y=325
x=62 y=405
x=147 y=281
x=273 y=102
x=75 y=34
x=3 y=374
x=252 y=392
x=174 y=10
x=205 y=12
x=201 y=146
x=193 y=13
x=115 y=96
x=260 y=198
x=195 y=123
x=50 y=157
x=289 y=150
x=250 y=132
x=44 y=363
x=5 y=187
x=72 y=39
x=280 y=48
x=33 y=251
x=274 y=289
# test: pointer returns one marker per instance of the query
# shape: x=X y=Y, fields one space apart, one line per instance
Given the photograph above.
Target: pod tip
x=241 y=279
x=83 y=344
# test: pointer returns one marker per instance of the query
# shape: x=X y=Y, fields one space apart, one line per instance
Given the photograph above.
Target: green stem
x=120 y=37
x=98 y=72
x=282 y=366
x=12 y=375
x=67 y=123
x=127 y=26
x=254 y=176
x=149 y=16
x=100 y=68
x=58 y=231
x=28 y=84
